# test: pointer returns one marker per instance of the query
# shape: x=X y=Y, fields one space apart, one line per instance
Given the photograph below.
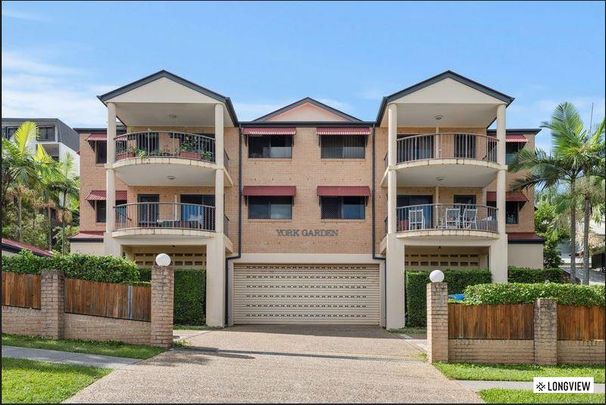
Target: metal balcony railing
x=446 y=217
x=165 y=144
x=165 y=216
x=447 y=146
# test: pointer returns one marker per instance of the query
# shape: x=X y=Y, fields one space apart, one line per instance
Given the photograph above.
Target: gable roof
x=449 y=74
x=177 y=79
x=305 y=100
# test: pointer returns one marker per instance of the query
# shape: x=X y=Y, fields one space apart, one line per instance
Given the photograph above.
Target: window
x=9 y=132
x=46 y=134
x=100 y=152
x=191 y=209
x=271 y=146
x=100 y=207
x=343 y=146
x=511 y=149
x=511 y=212
x=465 y=146
x=343 y=207
x=269 y=207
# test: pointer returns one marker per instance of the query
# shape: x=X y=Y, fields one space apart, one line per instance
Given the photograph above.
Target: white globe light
x=163 y=260
x=436 y=276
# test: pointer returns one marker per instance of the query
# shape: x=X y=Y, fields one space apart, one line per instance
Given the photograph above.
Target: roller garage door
x=329 y=294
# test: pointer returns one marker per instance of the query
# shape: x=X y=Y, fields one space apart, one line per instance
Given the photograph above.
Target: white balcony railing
x=446 y=217
x=447 y=146
x=165 y=144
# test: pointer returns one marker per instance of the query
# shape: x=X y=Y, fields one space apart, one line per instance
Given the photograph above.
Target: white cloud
x=23 y=15
x=35 y=88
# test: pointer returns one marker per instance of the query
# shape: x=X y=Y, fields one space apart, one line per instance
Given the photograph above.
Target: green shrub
x=528 y=275
x=190 y=295
x=416 y=289
x=518 y=293
x=108 y=269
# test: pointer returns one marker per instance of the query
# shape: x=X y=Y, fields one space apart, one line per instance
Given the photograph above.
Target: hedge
x=519 y=293
x=108 y=269
x=190 y=295
x=416 y=289
x=528 y=275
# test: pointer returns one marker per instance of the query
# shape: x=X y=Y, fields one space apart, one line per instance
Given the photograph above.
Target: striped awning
x=269 y=191
x=516 y=138
x=268 y=131
x=343 y=191
x=97 y=137
x=101 y=195
x=511 y=196
x=344 y=131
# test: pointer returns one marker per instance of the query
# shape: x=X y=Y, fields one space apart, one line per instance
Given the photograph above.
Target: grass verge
x=517 y=372
x=116 y=349
x=501 y=396
x=410 y=330
x=28 y=381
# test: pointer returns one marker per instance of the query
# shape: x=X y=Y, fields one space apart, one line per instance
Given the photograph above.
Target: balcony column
x=110 y=187
x=219 y=135
x=392 y=183
x=498 y=250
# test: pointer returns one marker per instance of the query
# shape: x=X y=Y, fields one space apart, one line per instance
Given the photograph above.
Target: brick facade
x=163 y=286
x=437 y=322
x=491 y=351
x=545 y=331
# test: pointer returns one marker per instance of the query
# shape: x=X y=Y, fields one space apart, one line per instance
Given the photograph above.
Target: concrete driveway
x=282 y=364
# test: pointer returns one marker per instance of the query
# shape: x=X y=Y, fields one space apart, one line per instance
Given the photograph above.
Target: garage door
x=331 y=294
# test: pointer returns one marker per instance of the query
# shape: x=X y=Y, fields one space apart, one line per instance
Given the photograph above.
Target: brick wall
x=99 y=328
x=544 y=348
x=22 y=321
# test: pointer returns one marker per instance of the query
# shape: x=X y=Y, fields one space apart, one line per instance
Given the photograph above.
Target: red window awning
x=344 y=131
x=101 y=195
x=97 y=137
x=268 y=131
x=269 y=191
x=511 y=196
x=343 y=191
x=519 y=138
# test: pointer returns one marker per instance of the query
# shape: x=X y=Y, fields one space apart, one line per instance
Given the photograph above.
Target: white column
x=219 y=134
x=215 y=282
x=110 y=187
x=497 y=260
x=498 y=250
x=394 y=283
x=392 y=183
x=219 y=202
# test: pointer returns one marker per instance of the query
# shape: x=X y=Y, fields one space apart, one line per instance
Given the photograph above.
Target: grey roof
x=444 y=75
x=65 y=134
x=310 y=100
x=177 y=79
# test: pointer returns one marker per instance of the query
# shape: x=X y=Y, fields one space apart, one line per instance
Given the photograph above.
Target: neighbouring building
x=307 y=214
x=56 y=137
x=12 y=247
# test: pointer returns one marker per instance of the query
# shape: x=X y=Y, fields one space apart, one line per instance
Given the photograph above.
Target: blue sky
x=56 y=57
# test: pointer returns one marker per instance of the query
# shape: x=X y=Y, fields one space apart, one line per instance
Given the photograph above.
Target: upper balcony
x=446 y=159
x=166 y=158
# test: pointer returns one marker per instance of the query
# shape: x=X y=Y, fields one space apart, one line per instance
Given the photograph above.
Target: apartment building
x=307 y=214
x=57 y=138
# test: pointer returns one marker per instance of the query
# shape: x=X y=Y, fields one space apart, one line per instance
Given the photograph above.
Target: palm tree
x=592 y=190
x=19 y=168
x=48 y=170
x=576 y=153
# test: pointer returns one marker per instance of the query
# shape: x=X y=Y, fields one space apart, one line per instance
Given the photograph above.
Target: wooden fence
x=511 y=322
x=21 y=290
x=580 y=323
x=108 y=299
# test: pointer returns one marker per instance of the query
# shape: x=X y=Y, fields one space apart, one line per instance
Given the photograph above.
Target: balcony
x=476 y=221
x=166 y=158
x=158 y=218
x=446 y=159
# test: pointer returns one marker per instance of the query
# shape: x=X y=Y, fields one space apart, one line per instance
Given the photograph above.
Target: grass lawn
x=517 y=372
x=410 y=331
x=83 y=346
x=500 y=396
x=28 y=381
x=192 y=327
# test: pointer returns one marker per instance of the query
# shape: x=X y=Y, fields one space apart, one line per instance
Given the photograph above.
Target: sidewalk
x=54 y=356
x=509 y=385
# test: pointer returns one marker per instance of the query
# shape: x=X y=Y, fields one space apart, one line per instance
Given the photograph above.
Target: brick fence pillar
x=52 y=302
x=545 y=331
x=162 y=285
x=437 y=322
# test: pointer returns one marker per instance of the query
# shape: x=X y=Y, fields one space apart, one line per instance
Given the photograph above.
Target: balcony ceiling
x=453 y=115
x=157 y=174
x=167 y=114
x=441 y=174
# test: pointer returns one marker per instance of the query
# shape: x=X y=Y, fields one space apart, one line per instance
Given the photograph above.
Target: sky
x=58 y=56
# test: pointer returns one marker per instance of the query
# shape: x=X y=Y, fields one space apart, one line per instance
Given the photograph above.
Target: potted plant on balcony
x=141 y=154
x=187 y=151
x=130 y=152
x=207 y=155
